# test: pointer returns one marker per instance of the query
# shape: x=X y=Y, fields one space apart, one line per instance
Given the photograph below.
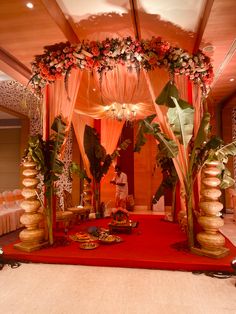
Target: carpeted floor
x=154 y=244
x=74 y=289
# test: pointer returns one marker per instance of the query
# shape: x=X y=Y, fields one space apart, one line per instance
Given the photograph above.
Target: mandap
x=158 y=88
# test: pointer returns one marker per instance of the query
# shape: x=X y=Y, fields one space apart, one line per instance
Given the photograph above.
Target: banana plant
x=188 y=153
x=99 y=160
x=81 y=173
x=46 y=154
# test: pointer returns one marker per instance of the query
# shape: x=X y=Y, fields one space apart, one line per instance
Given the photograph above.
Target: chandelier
x=121 y=112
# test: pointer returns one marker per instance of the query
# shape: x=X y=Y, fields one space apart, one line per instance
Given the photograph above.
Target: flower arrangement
x=59 y=59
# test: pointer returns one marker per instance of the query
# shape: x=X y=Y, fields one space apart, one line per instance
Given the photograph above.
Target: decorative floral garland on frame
x=59 y=59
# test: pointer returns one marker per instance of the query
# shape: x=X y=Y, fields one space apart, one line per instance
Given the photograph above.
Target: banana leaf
x=165 y=97
x=82 y=174
x=98 y=159
x=143 y=128
x=169 y=178
x=201 y=138
x=225 y=151
x=123 y=146
x=226 y=179
x=181 y=120
x=46 y=155
x=95 y=152
x=169 y=148
x=35 y=151
x=56 y=141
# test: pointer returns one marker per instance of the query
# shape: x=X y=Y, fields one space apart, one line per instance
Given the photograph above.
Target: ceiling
x=208 y=25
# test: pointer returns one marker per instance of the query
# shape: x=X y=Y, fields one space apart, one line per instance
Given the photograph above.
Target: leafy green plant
x=46 y=154
x=188 y=154
x=99 y=160
x=81 y=173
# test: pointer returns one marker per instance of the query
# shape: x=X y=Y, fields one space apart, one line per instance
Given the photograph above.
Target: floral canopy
x=80 y=80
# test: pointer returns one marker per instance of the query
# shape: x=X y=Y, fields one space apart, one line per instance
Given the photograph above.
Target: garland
x=59 y=59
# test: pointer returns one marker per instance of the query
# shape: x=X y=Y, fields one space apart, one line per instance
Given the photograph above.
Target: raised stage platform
x=155 y=244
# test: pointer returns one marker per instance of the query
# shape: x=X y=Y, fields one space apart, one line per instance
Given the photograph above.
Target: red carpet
x=153 y=244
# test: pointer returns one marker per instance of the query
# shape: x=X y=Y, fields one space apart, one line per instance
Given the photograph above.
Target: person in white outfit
x=121 y=183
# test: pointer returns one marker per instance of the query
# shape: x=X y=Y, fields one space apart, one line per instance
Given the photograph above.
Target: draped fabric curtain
x=62 y=101
x=79 y=121
x=110 y=133
x=116 y=86
x=124 y=86
x=197 y=104
x=181 y=82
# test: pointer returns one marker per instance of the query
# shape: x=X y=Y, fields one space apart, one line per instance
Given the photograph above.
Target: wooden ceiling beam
x=202 y=24
x=135 y=19
x=14 y=68
x=59 y=18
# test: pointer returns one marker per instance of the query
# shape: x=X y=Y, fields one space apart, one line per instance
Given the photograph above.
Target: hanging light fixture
x=121 y=112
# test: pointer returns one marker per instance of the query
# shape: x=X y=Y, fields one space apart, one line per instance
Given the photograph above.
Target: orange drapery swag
x=87 y=95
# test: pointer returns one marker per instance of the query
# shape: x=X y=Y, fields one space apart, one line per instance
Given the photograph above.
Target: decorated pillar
x=210 y=239
x=32 y=237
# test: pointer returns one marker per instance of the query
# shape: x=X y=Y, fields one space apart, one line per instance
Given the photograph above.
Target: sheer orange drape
x=120 y=86
x=79 y=121
x=62 y=101
x=110 y=134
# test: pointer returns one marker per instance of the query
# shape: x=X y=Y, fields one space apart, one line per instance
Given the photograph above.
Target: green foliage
x=181 y=119
x=225 y=151
x=222 y=154
x=167 y=146
x=167 y=149
x=225 y=177
x=194 y=152
x=46 y=153
x=82 y=174
x=169 y=176
x=35 y=150
x=165 y=97
x=99 y=160
x=142 y=130
x=205 y=152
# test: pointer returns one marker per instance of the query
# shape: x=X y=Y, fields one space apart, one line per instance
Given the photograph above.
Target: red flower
x=139 y=49
x=95 y=51
x=147 y=54
x=152 y=60
x=90 y=62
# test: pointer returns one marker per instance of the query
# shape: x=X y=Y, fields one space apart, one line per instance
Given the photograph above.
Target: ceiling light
x=208 y=48
x=29 y=5
x=121 y=112
x=231 y=80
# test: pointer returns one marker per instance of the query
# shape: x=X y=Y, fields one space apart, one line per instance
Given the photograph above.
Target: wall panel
x=10 y=140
